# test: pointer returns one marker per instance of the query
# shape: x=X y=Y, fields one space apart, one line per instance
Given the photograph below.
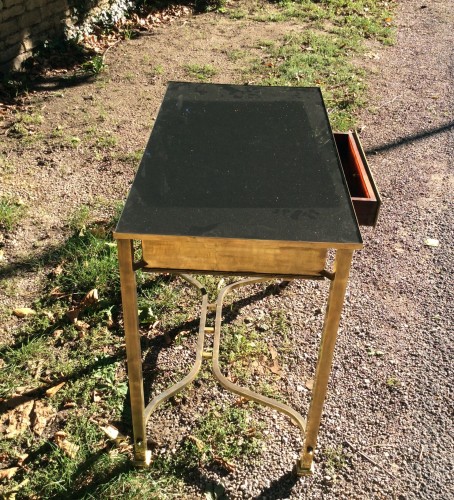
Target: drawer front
x=230 y=256
x=363 y=190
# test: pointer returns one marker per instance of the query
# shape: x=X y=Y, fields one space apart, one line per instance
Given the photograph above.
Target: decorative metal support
x=214 y=356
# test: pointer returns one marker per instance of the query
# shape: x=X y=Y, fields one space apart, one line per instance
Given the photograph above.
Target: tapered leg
x=325 y=357
x=133 y=350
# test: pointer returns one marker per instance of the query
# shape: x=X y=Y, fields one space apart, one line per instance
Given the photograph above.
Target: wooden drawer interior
x=363 y=190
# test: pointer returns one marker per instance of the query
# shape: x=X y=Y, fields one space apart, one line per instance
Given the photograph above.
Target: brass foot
x=141 y=462
x=301 y=470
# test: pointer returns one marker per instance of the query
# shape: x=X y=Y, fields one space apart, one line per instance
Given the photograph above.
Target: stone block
x=15 y=10
x=11 y=3
x=9 y=27
x=30 y=18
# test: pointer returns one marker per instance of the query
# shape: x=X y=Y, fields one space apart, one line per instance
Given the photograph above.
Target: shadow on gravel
x=280 y=488
x=411 y=138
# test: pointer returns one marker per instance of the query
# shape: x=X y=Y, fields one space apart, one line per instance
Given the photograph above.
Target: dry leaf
x=89 y=299
x=56 y=271
x=53 y=390
x=198 y=442
x=309 y=384
x=230 y=466
x=273 y=351
x=22 y=312
x=8 y=473
x=276 y=369
x=111 y=431
x=40 y=416
x=21 y=458
x=57 y=334
x=17 y=420
x=114 y=434
x=81 y=326
x=68 y=448
x=431 y=242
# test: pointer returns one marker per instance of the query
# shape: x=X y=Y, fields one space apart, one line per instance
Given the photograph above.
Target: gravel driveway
x=401 y=289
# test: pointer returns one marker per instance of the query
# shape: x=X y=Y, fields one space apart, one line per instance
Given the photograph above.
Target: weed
x=209 y=5
x=95 y=65
x=311 y=59
x=5 y=165
x=129 y=77
x=393 y=383
x=335 y=460
x=237 y=14
x=203 y=72
x=31 y=119
x=221 y=436
x=73 y=141
x=158 y=69
x=129 y=34
x=131 y=158
x=235 y=55
x=240 y=347
x=106 y=142
x=11 y=212
x=79 y=218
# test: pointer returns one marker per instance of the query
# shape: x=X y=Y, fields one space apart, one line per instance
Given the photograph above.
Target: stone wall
x=26 y=23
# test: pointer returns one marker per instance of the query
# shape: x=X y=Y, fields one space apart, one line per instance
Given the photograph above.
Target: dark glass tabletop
x=244 y=162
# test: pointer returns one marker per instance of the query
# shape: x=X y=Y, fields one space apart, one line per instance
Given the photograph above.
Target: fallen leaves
x=8 y=473
x=17 y=421
x=68 y=448
x=23 y=312
x=431 y=242
x=112 y=432
x=275 y=367
x=40 y=416
x=53 y=390
x=31 y=415
x=90 y=299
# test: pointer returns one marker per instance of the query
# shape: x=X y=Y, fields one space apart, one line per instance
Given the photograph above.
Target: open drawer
x=363 y=191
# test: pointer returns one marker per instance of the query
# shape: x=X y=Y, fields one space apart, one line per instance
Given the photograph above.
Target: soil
x=389 y=406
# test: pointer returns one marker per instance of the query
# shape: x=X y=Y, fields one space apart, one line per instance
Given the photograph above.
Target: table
x=244 y=181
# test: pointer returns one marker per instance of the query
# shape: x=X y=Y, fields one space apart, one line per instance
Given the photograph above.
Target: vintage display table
x=242 y=181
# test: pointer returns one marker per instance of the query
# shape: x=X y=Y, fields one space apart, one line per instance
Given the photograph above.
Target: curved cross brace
x=200 y=355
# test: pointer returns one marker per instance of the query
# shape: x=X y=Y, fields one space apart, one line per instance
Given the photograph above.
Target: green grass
x=310 y=59
x=202 y=72
x=11 y=213
x=322 y=54
x=335 y=460
x=223 y=435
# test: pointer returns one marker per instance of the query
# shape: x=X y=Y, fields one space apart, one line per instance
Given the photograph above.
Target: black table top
x=246 y=162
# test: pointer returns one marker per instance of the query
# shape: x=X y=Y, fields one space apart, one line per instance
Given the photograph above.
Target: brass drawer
x=232 y=256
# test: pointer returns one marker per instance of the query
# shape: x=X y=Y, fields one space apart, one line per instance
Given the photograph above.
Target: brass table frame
x=141 y=413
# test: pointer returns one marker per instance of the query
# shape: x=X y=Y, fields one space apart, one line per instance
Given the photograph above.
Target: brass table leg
x=133 y=351
x=325 y=358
